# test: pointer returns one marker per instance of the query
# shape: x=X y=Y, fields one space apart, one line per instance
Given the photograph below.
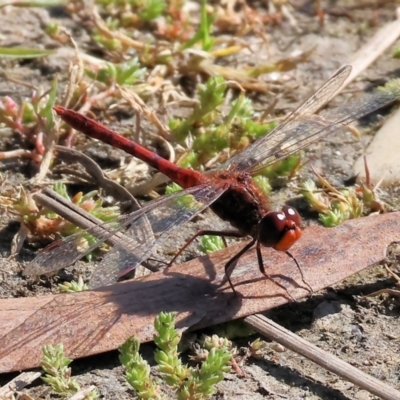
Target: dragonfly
x=229 y=191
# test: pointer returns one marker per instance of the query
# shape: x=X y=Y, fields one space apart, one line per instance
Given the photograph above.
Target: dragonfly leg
x=301 y=272
x=223 y=234
x=262 y=270
x=233 y=261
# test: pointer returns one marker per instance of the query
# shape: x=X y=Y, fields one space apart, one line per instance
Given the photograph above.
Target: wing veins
x=104 y=275
x=246 y=159
x=318 y=126
x=52 y=259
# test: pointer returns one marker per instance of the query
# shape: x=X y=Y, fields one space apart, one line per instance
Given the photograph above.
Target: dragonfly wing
x=267 y=148
x=130 y=233
x=133 y=236
x=169 y=214
x=66 y=251
x=301 y=129
x=303 y=132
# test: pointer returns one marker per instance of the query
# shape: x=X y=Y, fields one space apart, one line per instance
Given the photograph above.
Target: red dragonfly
x=229 y=190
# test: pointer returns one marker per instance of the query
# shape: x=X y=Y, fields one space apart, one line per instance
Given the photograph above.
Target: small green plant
x=392 y=87
x=45 y=222
x=210 y=96
x=214 y=131
x=73 y=286
x=109 y=42
x=256 y=348
x=187 y=201
x=137 y=370
x=172 y=188
x=263 y=183
x=210 y=243
x=122 y=19
x=150 y=9
x=203 y=34
x=285 y=168
x=187 y=382
x=133 y=12
x=125 y=73
x=335 y=206
x=32 y=118
x=58 y=374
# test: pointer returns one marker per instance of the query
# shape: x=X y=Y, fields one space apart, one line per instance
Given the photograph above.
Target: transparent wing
x=133 y=240
x=165 y=217
x=269 y=145
x=301 y=128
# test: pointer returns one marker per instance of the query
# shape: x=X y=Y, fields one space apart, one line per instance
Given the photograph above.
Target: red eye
x=292 y=215
x=271 y=228
x=280 y=230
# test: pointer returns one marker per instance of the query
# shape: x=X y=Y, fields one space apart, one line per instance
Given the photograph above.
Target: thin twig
x=18 y=383
x=326 y=360
x=379 y=43
x=83 y=393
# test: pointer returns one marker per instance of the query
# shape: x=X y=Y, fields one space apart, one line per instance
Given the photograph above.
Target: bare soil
x=362 y=331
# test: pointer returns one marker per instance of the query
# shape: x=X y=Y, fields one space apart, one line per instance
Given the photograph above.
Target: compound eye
x=272 y=227
x=280 y=230
x=292 y=215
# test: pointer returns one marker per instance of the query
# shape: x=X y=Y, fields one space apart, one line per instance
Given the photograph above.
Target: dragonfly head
x=280 y=230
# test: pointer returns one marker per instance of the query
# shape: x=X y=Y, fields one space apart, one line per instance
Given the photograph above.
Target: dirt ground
x=362 y=331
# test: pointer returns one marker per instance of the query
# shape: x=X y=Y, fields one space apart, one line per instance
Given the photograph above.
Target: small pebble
x=278 y=347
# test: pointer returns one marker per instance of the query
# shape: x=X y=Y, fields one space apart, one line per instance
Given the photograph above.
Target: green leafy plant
x=30 y=117
x=263 y=183
x=133 y=12
x=137 y=370
x=187 y=200
x=256 y=348
x=58 y=374
x=186 y=381
x=210 y=243
x=73 y=286
x=125 y=73
x=109 y=42
x=150 y=9
x=45 y=222
x=213 y=130
x=122 y=19
x=203 y=34
x=335 y=206
x=285 y=168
